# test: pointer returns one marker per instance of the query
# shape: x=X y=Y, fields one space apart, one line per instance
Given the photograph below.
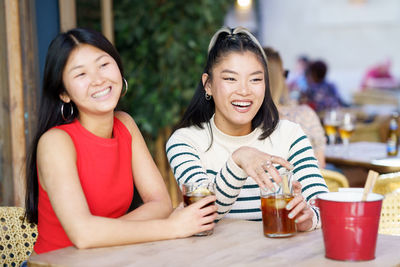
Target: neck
x=101 y=126
x=233 y=130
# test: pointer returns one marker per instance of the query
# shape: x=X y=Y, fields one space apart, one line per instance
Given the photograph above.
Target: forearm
x=229 y=182
x=102 y=232
x=307 y=172
x=149 y=211
x=187 y=167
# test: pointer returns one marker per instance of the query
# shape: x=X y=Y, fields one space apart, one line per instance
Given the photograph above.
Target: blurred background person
x=320 y=94
x=296 y=79
x=290 y=110
x=379 y=76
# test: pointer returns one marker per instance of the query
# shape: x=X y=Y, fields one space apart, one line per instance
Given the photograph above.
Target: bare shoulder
x=127 y=120
x=54 y=139
x=53 y=144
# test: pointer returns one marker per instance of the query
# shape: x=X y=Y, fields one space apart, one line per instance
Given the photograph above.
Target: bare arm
x=59 y=177
x=147 y=178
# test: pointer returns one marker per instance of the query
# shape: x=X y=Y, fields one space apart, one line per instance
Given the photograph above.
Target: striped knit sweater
x=238 y=196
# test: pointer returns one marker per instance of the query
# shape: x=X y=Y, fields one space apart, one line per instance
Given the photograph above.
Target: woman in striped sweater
x=231 y=134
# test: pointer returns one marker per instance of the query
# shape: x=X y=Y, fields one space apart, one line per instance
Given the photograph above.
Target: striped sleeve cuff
x=235 y=169
x=316 y=222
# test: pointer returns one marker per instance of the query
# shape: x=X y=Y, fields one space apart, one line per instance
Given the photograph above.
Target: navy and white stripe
x=192 y=159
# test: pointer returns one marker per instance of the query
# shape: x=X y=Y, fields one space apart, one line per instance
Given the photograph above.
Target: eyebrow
x=234 y=72
x=80 y=66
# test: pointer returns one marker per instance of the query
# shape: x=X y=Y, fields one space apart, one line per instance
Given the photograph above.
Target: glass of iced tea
x=193 y=192
x=275 y=217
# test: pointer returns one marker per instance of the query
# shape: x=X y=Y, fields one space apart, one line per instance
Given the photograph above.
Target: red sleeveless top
x=105 y=172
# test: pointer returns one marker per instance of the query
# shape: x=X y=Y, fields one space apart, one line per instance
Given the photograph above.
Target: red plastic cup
x=349 y=226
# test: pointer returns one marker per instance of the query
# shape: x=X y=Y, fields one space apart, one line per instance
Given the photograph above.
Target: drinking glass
x=331 y=123
x=196 y=191
x=275 y=216
x=346 y=128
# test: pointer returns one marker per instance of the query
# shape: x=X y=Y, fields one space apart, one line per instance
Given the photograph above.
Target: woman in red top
x=86 y=158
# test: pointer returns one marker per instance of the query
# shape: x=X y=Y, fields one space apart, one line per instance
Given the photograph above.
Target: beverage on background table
x=345 y=133
x=193 y=192
x=331 y=123
x=392 y=143
x=330 y=129
x=275 y=217
x=347 y=127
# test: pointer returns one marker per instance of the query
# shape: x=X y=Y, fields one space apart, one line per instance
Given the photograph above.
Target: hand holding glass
x=196 y=191
x=275 y=216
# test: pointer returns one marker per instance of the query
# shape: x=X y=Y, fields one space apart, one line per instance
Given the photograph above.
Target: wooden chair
x=387 y=183
x=390 y=215
x=17 y=236
x=334 y=180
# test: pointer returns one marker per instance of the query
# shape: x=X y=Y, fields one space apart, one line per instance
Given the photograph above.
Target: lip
x=102 y=93
x=246 y=105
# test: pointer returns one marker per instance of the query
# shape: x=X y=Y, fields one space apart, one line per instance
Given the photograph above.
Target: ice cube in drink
x=276 y=222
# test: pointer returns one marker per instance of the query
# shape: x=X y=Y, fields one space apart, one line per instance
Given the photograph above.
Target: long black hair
x=50 y=108
x=225 y=41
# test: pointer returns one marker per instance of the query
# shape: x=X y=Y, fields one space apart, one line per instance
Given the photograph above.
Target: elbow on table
x=82 y=245
x=82 y=241
x=81 y=237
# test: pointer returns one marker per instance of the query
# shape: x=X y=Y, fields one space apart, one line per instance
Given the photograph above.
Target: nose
x=244 y=89
x=96 y=78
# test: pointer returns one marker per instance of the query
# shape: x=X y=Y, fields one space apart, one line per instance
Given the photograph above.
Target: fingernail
x=290 y=215
x=288 y=207
x=264 y=188
x=296 y=221
x=291 y=166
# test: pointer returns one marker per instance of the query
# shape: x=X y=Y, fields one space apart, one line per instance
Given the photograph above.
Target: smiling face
x=238 y=89
x=92 y=81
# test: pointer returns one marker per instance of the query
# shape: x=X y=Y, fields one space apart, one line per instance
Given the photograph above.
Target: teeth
x=102 y=93
x=241 y=104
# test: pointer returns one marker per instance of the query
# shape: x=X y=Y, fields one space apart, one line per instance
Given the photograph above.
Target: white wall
x=349 y=37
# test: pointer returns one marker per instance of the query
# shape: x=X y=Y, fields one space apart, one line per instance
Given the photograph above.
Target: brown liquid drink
x=193 y=192
x=192 y=198
x=275 y=216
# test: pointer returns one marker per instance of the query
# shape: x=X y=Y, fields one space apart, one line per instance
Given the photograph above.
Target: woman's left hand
x=300 y=210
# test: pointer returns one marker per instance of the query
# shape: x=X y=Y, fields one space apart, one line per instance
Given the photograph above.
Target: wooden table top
x=234 y=243
x=369 y=155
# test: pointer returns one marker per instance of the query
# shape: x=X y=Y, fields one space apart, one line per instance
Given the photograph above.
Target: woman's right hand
x=256 y=163
x=195 y=218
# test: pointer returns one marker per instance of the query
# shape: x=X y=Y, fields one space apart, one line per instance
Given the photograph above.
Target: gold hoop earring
x=126 y=87
x=208 y=97
x=71 y=111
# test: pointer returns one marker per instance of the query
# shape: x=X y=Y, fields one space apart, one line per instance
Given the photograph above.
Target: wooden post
x=107 y=20
x=67 y=9
x=30 y=70
x=16 y=99
x=6 y=179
